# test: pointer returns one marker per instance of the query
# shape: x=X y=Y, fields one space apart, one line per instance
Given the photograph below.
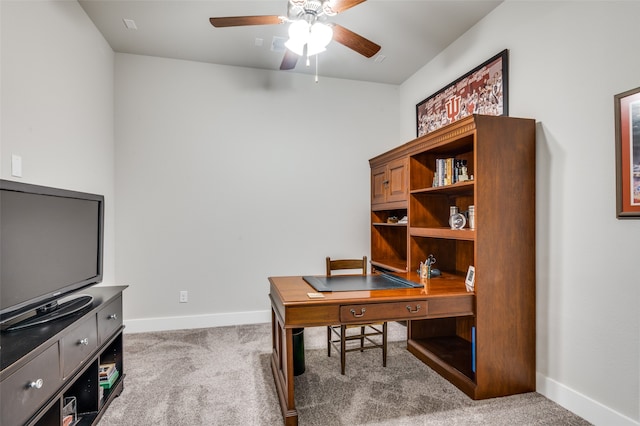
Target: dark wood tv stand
x=44 y=364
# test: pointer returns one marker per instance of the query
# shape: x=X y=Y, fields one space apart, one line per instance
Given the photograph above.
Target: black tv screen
x=51 y=245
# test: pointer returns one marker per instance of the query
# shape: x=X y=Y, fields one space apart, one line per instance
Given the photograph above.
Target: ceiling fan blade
x=341 y=5
x=289 y=61
x=238 y=21
x=354 y=41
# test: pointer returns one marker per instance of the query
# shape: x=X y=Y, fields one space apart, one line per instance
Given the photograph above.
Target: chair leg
x=329 y=341
x=384 y=344
x=362 y=330
x=343 y=331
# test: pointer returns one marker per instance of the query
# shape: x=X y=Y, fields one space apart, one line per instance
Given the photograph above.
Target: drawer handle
x=360 y=315
x=84 y=341
x=413 y=311
x=113 y=316
x=36 y=384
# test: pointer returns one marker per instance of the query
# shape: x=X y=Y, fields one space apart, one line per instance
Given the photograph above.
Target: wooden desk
x=292 y=308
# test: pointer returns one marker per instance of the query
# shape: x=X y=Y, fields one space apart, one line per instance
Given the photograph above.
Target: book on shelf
x=473 y=349
x=107 y=383
x=445 y=171
x=106 y=370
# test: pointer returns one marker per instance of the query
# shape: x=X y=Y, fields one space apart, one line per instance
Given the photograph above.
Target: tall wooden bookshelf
x=491 y=353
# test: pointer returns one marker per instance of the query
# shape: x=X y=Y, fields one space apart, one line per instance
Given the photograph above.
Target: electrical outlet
x=184 y=296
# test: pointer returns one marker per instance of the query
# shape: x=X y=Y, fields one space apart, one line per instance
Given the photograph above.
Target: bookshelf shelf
x=465 y=187
x=448 y=233
x=390 y=224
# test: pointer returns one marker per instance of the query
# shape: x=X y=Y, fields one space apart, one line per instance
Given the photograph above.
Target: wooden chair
x=370 y=335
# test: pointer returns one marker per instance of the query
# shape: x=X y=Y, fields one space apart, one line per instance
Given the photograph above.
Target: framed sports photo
x=627 y=128
x=483 y=90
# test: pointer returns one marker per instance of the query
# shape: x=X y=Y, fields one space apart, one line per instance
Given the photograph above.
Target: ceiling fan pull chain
x=317 y=68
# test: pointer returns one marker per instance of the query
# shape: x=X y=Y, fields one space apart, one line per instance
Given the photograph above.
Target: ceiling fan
x=309 y=33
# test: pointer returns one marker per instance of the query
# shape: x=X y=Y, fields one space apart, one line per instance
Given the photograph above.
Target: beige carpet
x=222 y=376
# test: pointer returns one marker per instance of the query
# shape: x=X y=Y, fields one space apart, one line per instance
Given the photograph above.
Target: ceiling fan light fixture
x=299 y=32
x=314 y=48
x=319 y=37
x=297 y=48
x=321 y=34
x=316 y=37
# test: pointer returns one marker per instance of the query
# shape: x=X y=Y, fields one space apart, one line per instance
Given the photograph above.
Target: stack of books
x=449 y=171
x=108 y=374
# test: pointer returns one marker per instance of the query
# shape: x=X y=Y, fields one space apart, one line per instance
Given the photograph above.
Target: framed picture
x=470 y=279
x=627 y=116
x=483 y=90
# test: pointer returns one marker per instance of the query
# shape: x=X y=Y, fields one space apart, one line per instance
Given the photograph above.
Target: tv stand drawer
x=28 y=388
x=109 y=319
x=78 y=345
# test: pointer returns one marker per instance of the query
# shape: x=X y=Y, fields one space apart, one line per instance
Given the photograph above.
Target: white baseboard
x=195 y=321
x=585 y=407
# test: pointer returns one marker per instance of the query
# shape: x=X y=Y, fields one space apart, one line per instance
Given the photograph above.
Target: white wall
x=226 y=176
x=567 y=61
x=57 y=102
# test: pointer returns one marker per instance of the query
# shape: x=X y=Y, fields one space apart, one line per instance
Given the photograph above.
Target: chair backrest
x=333 y=265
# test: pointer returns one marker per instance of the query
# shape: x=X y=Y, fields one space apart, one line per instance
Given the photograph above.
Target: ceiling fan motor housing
x=309 y=10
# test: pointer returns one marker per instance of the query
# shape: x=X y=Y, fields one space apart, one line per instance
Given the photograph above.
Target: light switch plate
x=16 y=165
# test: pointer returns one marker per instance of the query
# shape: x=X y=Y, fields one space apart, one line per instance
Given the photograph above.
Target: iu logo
x=453 y=107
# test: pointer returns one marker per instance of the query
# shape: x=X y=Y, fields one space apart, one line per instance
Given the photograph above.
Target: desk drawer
x=383 y=311
x=451 y=307
x=78 y=345
x=31 y=386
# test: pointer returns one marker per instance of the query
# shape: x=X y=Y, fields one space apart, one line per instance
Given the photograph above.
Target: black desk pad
x=358 y=282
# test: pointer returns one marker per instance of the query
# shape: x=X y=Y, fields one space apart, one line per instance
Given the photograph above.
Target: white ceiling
x=410 y=32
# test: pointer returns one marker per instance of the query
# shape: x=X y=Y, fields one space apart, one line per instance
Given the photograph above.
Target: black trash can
x=298 y=351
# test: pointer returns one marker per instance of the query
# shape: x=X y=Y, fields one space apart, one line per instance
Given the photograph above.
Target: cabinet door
x=378 y=184
x=397 y=180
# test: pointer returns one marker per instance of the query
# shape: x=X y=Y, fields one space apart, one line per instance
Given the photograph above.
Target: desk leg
x=282 y=368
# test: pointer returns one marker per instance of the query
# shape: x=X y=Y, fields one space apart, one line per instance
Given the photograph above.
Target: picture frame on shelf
x=483 y=90
x=627 y=140
x=470 y=279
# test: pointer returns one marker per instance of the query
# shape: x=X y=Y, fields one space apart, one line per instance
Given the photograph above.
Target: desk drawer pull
x=112 y=316
x=83 y=342
x=360 y=315
x=416 y=310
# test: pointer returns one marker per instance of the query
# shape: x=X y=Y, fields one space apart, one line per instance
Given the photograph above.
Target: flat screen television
x=51 y=247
